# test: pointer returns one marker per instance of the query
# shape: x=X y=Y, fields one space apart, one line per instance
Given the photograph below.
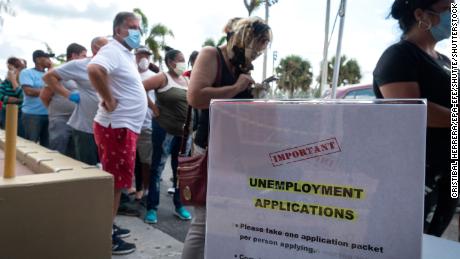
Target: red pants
x=117 y=153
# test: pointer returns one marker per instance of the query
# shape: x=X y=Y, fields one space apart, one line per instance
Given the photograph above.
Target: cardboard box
x=57 y=215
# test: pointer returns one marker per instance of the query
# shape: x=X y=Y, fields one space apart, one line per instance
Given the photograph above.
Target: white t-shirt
x=126 y=85
x=148 y=118
x=83 y=115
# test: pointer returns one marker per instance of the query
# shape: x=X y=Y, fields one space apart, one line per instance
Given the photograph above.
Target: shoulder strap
x=186 y=127
x=220 y=57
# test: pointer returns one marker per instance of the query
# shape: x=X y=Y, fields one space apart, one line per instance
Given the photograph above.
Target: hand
x=11 y=76
x=243 y=82
x=74 y=97
x=110 y=105
x=155 y=111
x=259 y=91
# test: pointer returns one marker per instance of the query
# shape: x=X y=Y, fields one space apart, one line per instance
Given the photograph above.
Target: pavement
x=161 y=240
x=165 y=239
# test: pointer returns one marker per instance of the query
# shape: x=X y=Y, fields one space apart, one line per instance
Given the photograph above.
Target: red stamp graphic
x=304 y=152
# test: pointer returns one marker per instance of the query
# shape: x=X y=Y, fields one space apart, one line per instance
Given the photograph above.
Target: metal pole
x=335 y=78
x=10 y=142
x=324 y=66
x=264 y=72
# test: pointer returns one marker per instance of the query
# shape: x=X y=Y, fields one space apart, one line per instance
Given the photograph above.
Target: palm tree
x=144 y=20
x=295 y=75
x=5 y=7
x=350 y=72
x=156 y=41
x=212 y=43
x=252 y=5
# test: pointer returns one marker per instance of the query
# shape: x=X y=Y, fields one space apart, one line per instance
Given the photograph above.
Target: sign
x=310 y=179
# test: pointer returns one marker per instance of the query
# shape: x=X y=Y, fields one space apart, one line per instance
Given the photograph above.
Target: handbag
x=192 y=171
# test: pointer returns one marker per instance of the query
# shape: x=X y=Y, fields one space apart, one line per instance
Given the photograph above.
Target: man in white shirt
x=122 y=108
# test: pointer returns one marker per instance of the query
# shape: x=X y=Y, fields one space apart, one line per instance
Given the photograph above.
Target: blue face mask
x=442 y=30
x=133 y=39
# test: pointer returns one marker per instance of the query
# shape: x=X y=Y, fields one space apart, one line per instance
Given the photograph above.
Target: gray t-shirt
x=83 y=115
x=59 y=106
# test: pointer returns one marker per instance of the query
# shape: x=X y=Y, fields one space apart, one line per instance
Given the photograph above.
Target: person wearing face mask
x=11 y=92
x=123 y=104
x=144 y=143
x=34 y=113
x=171 y=92
x=412 y=68
x=221 y=73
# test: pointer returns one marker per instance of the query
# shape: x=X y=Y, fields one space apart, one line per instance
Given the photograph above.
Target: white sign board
x=316 y=179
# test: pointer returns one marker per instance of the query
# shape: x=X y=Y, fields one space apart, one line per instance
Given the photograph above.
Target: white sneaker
x=171 y=190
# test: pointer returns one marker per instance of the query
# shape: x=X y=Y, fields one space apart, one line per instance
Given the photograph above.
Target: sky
x=297 y=25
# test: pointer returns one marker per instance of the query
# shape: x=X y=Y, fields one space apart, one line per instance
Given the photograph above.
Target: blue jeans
x=162 y=144
x=36 y=128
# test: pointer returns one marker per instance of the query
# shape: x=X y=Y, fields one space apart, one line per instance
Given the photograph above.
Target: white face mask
x=180 y=68
x=143 y=64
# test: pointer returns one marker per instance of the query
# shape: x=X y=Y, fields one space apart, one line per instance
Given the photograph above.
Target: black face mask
x=239 y=61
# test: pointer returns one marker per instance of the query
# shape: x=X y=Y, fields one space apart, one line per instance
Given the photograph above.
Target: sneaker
x=183 y=214
x=151 y=217
x=120 y=232
x=171 y=190
x=120 y=247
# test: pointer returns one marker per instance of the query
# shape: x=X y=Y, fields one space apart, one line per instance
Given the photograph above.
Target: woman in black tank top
x=222 y=73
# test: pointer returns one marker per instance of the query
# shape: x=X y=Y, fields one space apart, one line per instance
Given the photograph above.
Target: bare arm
x=99 y=79
x=30 y=91
x=438 y=116
x=201 y=91
x=153 y=107
x=52 y=79
x=46 y=95
x=155 y=82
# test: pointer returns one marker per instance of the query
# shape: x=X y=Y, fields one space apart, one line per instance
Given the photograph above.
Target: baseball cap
x=142 y=49
x=40 y=53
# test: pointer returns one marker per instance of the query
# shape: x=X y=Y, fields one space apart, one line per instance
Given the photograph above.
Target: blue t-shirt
x=33 y=78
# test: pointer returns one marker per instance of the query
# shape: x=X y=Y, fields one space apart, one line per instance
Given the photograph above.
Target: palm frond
x=144 y=20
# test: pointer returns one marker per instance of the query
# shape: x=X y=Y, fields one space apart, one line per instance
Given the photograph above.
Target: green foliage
x=252 y=5
x=209 y=42
x=144 y=20
x=156 y=40
x=295 y=75
x=222 y=40
x=212 y=43
x=350 y=72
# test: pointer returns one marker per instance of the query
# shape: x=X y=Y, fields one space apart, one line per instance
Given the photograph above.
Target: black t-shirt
x=406 y=62
x=226 y=78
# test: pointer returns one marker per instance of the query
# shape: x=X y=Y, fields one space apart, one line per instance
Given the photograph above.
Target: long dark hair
x=403 y=11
